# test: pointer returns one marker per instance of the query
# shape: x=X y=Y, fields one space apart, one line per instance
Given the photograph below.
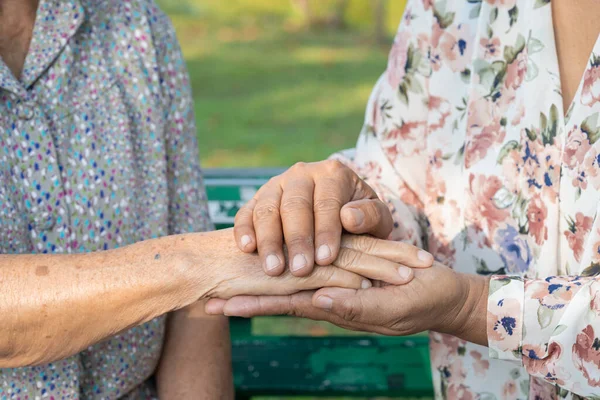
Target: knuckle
x=347 y=257
x=272 y=182
x=329 y=276
x=293 y=204
x=299 y=167
x=365 y=244
x=334 y=165
x=326 y=205
x=293 y=309
x=297 y=239
x=243 y=213
x=265 y=211
x=352 y=312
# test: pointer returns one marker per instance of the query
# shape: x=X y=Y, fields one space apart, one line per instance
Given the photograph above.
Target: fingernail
x=298 y=262
x=358 y=216
x=366 y=284
x=404 y=272
x=324 y=252
x=324 y=302
x=246 y=241
x=272 y=262
x=425 y=256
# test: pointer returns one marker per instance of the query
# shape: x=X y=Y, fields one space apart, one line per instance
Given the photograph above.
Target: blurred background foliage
x=280 y=81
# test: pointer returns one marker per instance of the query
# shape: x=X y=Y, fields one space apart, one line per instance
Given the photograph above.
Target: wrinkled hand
x=438 y=299
x=309 y=205
x=233 y=273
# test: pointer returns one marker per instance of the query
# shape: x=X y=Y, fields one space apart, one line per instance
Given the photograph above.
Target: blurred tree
x=325 y=13
x=338 y=21
x=379 y=21
x=303 y=7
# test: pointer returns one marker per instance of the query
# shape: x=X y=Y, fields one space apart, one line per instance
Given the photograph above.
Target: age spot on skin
x=41 y=270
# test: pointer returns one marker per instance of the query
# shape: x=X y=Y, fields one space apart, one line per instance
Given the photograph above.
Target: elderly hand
x=437 y=299
x=309 y=205
x=232 y=272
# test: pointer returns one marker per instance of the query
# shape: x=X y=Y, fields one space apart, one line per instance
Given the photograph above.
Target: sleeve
x=390 y=154
x=551 y=326
x=188 y=205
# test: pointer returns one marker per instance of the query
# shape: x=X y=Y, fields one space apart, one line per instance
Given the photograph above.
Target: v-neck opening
x=56 y=21
x=595 y=48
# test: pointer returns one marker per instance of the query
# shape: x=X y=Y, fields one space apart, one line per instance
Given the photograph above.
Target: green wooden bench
x=352 y=366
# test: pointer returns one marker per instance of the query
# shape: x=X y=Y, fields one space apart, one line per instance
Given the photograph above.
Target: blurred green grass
x=270 y=93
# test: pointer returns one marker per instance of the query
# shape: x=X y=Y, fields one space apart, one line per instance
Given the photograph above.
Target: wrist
x=202 y=260
x=168 y=262
x=468 y=312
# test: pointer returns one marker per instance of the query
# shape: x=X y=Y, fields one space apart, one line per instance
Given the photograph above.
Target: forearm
x=196 y=360
x=53 y=306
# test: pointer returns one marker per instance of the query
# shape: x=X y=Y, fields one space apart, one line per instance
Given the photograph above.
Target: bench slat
x=333 y=365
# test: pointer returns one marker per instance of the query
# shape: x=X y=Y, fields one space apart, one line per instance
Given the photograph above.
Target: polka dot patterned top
x=97 y=150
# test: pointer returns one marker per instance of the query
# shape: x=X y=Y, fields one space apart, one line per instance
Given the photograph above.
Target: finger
x=299 y=305
x=298 y=228
x=243 y=227
x=334 y=277
x=366 y=307
x=267 y=226
x=330 y=194
x=214 y=306
x=373 y=267
x=370 y=216
x=254 y=306
x=362 y=190
x=399 y=252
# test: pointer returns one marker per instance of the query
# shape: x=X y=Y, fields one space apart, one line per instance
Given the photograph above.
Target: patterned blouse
x=97 y=150
x=466 y=138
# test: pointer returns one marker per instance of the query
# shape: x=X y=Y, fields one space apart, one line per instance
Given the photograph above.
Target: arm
x=53 y=306
x=196 y=358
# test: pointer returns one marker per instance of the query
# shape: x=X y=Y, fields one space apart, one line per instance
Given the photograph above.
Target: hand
x=231 y=272
x=438 y=299
x=309 y=205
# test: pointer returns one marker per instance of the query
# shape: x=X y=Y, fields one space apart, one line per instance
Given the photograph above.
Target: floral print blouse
x=97 y=150
x=466 y=138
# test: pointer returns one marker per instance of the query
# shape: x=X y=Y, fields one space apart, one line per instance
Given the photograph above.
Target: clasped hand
x=307 y=208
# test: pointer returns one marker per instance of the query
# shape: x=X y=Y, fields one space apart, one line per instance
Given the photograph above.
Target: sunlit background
x=281 y=81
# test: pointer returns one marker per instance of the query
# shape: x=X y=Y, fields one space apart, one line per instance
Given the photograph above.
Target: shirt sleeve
x=188 y=205
x=551 y=326
x=390 y=154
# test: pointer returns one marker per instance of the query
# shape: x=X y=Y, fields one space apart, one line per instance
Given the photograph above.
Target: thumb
x=370 y=216
x=345 y=303
x=214 y=306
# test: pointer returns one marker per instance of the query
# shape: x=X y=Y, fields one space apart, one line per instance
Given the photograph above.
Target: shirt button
x=25 y=111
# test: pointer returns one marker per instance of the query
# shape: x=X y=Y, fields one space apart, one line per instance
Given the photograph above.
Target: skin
x=17 y=18
x=192 y=335
x=460 y=308
x=576 y=30
x=395 y=310
x=54 y=306
x=308 y=207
